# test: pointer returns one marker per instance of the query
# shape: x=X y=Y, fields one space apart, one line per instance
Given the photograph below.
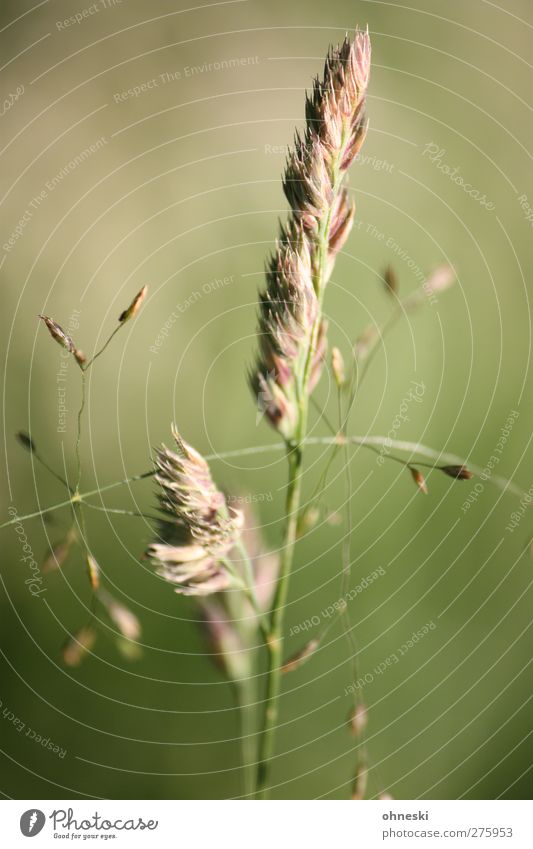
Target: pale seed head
x=134 y=307
x=126 y=621
x=419 y=479
x=199 y=530
x=337 y=367
x=57 y=333
x=357 y=720
x=59 y=553
x=93 y=571
x=360 y=783
x=439 y=280
x=78 y=645
x=301 y=656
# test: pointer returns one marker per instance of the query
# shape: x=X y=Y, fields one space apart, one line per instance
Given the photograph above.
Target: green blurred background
x=183 y=191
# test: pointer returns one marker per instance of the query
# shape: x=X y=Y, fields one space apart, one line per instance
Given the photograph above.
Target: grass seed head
x=57 y=333
x=126 y=621
x=199 y=529
x=134 y=307
x=26 y=441
x=337 y=367
x=93 y=571
x=419 y=479
x=292 y=335
x=360 y=782
x=357 y=720
x=461 y=473
x=77 y=646
x=391 y=280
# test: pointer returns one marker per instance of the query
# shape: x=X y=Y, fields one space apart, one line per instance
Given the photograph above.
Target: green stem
x=275 y=639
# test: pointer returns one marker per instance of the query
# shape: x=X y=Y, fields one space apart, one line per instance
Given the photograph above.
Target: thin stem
x=412 y=301
x=249 y=589
x=80 y=520
x=84 y=369
x=358 y=378
x=249 y=593
x=115 y=484
x=120 y=512
x=346 y=576
x=248 y=568
x=369 y=442
x=261 y=617
x=78 y=433
x=322 y=414
x=52 y=471
x=322 y=481
x=37 y=513
x=102 y=349
x=275 y=639
x=346 y=546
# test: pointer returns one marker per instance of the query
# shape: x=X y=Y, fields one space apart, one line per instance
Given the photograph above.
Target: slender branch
x=322 y=414
x=403 y=306
x=249 y=592
x=346 y=574
x=52 y=471
x=346 y=549
x=102 y=349
x=78 y=433
x=261 y=618
x=358 y=378
x=37 y=513
x=250 y=589
x=120 y=512
x=115 y=484
x=84 y=369
x=80 y=520
x=369 y=442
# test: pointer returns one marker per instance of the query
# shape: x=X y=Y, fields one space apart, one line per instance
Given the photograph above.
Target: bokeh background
x=182 y=191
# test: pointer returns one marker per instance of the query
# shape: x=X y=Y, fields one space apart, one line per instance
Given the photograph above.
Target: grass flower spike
x=292 y=331
x=199 y=530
